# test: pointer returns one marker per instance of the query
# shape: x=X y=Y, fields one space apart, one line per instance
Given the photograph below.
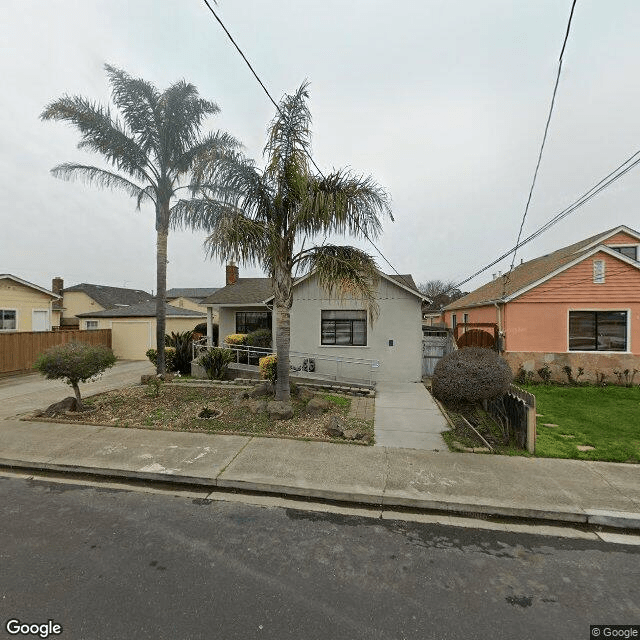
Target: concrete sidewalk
x=544 y=489
x=406 y=416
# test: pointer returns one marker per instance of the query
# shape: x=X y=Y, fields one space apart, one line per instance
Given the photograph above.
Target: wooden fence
x=516 y=411
x=18 y=351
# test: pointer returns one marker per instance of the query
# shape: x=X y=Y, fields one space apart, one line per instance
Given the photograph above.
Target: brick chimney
x=232 y=273
x=57 y=285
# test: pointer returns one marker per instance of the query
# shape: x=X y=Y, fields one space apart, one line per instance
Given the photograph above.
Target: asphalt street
x=108 y=563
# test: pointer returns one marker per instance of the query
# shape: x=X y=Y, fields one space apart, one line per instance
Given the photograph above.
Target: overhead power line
x=277 y=106
x=608 y=180
x=546 y=131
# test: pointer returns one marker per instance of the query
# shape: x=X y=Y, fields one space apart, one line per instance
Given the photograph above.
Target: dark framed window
x=248 y=321
x=630 y=252
x=454 y=320
x=8 y=320
x=597 y=330
x=344 y=327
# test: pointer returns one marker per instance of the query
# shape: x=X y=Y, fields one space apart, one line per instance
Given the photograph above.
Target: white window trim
x=627 y=311
x=599 y=277
x=342 y=346
x=86 y=325
x=17 y=320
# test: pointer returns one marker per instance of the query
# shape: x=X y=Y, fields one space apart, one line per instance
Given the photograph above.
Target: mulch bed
x=177 y=408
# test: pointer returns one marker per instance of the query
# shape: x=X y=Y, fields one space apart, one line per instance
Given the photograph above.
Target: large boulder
x=336 y=427
x=68 y=404
x=316 y=407
x=279 y=410
x=262 y=389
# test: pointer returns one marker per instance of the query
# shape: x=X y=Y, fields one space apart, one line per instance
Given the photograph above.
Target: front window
x=454 y=320
x=8 y=320
x=92 y=324
x=348 y=327
x=248 y=321
x=597 y=330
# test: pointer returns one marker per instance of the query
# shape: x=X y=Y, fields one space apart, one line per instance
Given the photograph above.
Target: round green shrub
x=471 y=375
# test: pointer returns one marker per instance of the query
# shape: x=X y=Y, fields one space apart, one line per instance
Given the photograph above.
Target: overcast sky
x=442 y=102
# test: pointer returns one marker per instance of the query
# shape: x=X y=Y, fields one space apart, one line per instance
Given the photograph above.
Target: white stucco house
x=326 y=328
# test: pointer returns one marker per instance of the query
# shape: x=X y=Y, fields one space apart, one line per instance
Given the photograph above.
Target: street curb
x=611 y=519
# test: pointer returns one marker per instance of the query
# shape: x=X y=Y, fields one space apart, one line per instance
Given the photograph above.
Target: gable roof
x=110 y=297
x=143 y=310
x=24 y=283
x=534 y=272
x=195 y=293
x=244 y=291
x=256 y=291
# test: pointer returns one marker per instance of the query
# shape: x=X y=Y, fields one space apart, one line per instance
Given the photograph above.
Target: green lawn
x=606 y=418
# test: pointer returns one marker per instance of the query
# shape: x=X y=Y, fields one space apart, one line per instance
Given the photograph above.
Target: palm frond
x=344 y=271
x=137 y=99
x=289 y=143
x=209 y=150
x=343 y=203
x=237 y=237
x=100 y=133
x=102 y=178
x=234 y=179
x=182 y=114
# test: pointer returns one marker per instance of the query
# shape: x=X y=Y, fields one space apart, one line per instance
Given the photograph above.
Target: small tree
x=216 y=361
x=75 y=363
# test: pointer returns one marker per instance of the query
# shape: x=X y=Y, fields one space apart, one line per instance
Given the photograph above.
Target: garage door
x=131 y=339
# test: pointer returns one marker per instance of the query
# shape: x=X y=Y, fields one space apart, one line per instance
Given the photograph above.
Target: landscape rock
x=279 y=410
x=316 y=407
x=262 y=389
x=335 y=428
x=240 y=398
x=68 y=404
x=258 y=406
x=351 y=434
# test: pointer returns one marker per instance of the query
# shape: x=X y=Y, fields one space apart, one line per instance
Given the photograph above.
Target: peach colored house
x=578 y=306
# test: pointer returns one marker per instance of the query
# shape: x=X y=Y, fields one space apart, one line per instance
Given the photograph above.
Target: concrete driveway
x=407 y=417
x=26 y=393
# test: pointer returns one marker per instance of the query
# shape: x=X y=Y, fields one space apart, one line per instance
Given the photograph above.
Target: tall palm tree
x=151 y=150
x=265 y=217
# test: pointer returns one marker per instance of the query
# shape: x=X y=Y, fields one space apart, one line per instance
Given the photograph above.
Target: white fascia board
x=30 y=285
x=621 y=229
x=603 y=248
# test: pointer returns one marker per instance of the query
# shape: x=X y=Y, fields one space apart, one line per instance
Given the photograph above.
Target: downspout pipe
x=501 y=335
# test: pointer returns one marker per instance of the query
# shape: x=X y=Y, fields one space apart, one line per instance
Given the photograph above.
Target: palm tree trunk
x=282 y=286
x=283 y=343
x=161 y=295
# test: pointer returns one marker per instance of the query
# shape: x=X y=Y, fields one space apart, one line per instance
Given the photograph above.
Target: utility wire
x=617 y=173
x=277 y=106
x=544 y=137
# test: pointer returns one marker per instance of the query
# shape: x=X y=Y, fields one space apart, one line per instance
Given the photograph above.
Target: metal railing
x=310 y=365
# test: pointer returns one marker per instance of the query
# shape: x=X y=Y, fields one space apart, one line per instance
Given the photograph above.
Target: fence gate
x=433 y=348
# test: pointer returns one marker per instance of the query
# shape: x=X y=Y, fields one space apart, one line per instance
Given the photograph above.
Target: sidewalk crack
x=242 y=448
x=613 y=486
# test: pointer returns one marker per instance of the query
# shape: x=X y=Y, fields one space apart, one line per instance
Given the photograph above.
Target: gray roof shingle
x=194 y=293
x=142 y=310
x=109 y=297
